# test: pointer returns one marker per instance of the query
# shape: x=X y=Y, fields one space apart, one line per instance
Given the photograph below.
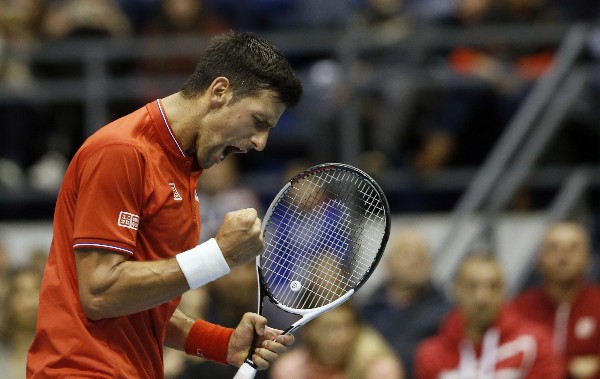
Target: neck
x=182 y=114
x=563 y=292
x=475 y=332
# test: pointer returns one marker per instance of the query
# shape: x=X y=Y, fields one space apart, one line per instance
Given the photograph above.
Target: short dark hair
x=251 y=64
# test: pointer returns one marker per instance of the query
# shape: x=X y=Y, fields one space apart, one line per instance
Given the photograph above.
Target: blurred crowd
x=404 y=328
x=407 y=328
x=405 y=124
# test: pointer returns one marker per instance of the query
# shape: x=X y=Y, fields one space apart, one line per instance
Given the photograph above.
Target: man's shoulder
x=515 y=322
x=132 y=130
x=128 y=128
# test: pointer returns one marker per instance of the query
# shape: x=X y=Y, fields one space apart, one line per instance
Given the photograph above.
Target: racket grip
x=245 y=371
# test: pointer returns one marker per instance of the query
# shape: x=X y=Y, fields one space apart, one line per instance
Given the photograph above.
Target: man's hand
x=240 y=237
x=270 y=343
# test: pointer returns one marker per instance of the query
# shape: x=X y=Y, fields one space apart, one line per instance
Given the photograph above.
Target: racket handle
x=245 y=371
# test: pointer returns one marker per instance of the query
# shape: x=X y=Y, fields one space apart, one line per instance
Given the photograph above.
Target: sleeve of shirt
x=109 y=198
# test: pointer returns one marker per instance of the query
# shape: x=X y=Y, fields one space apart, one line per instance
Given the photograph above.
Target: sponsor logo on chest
x=176 y=195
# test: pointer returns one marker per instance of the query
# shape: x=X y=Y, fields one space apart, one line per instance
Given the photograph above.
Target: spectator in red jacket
x=566 y=303
x=481 y=339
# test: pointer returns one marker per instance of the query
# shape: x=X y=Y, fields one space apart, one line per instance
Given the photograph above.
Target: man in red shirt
x=126 y=225
x=482 y=339
x=566 y=304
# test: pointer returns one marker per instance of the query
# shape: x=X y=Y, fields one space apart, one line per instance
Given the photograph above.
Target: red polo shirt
x=129 y=189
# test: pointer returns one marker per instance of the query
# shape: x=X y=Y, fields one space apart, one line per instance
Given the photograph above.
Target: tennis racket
x=324 y=234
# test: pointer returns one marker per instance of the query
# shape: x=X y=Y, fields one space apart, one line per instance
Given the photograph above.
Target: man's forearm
x=178 y=329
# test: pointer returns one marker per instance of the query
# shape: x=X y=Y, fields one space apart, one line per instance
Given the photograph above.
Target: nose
x=259 y=140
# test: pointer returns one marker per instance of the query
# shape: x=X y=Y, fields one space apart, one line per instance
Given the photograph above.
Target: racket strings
x=336 y=286
x=322 y=238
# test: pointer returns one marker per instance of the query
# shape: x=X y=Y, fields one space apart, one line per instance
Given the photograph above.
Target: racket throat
x=313 y=313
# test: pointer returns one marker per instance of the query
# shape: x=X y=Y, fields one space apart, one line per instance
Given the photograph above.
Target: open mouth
x=228 y=150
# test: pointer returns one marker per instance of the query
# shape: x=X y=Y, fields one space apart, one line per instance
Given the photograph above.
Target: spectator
x=338 y=345
x=22 y=309
x=219 y=192
x=482 y=339
x=388 y=100
x=71 y=18
x=498 y=78
x=67 y=20
x=566 y=303
x=386 y=18
x=406 y=308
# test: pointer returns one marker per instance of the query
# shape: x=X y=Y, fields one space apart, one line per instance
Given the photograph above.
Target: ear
x=220 y=92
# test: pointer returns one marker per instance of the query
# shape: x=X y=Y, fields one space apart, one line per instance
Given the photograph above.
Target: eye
x=260 y=123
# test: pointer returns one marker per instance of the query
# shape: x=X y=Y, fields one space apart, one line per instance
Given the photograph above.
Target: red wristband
x=208 y=341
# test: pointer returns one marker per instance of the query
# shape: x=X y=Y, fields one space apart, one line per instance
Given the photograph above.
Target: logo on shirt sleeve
x=128 y=220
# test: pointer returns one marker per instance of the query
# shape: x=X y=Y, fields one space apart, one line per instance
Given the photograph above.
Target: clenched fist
x=270 y=345
x=240 y=237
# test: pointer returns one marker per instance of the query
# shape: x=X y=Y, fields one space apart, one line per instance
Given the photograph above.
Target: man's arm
x=111 y=285
x=178 y=330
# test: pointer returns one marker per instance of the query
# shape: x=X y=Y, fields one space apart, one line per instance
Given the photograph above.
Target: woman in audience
x=338 y=345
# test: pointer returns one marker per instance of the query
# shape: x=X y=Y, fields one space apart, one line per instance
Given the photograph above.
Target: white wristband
x=202 y=264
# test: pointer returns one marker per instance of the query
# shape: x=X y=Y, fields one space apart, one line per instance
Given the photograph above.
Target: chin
x=205 y=165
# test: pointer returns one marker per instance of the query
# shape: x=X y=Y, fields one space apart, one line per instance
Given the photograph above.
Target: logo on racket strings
x=295 y=285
